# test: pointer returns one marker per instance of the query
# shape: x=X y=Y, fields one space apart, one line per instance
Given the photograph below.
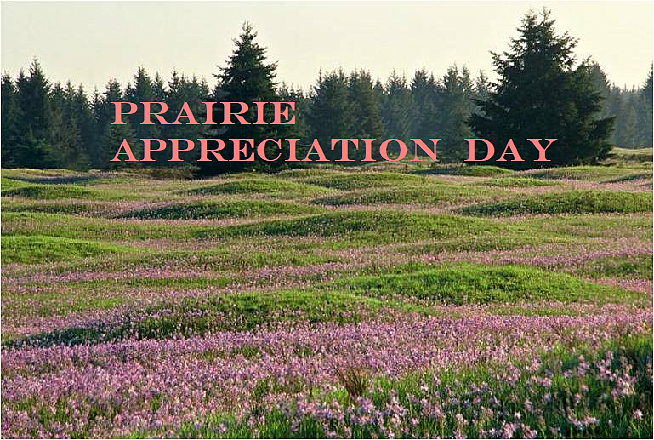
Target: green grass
x=71 y=226
x=568 y=202
x=267 y=186
x=220 y=210
x=591 y=225
x=290 y=266
x=516 y=182
x=467 y=170
x=476 y=284
x=347 y=300
x=49 y=192
x=72 y=191
x=407 y=195
x=378 y=226
x=39 y=249
x=235 y=312
x=632 y=177
x=368 y=180
x=588 y=172
x=305 y=172
x=67 y=207
x=633 y=154
x=637 y=266
x=9 y=184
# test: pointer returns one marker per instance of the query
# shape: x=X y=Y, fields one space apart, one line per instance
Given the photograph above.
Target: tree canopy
x=542 y=93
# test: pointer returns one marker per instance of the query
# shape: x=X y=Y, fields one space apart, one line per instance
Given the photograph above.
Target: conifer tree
x=299 y=130
x=248 y=78
x=33 y=93
x=64 y=135
x=540 y=94
x=456 y=99
x=645 y=113
x=34 y=149
x=424 y=94
x=144 y=89
x=367 y=123
x=332 y=112
x=396 y=108
x=111 y=135
x=11 y=115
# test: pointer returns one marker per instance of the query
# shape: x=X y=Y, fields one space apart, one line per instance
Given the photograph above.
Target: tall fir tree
x=248 y=78
x=425 y=97
x=396 y=108
x=299 y=130
x=332 y=110
x=645 y=113
x=193 y=92
x=367 y=122
x=541 y=95
x=456 y=100
x=64 y=135
x=11 y=116
x=145 y=89
x=33 y=98
x=111 y=136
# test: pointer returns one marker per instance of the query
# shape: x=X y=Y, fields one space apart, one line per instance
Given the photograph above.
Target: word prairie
x=280 y=109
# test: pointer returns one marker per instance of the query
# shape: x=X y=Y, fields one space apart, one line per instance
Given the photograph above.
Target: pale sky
x=89 y=43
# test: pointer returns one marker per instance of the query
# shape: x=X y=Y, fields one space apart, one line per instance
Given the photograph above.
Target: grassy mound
x=586 y=172
x=386 y=225
x=234 y=312
x=9 y=184
x=417 y=195
x=277 y=187
x=49 y=192
x=569 y=202
x=468 y=170
x=633 y=154
x=39 y=249
x=475 y=284
x=481 y=171
x=56 y=207
x=517 y=182
x=306 y=173
x=632 y=267
x=631 y=178
x=367 y=180
x=219 y=210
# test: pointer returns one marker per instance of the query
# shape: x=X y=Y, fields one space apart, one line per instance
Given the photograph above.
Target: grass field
x=389 y=301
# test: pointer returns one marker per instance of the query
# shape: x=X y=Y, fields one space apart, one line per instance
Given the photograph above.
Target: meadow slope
x=388 y=301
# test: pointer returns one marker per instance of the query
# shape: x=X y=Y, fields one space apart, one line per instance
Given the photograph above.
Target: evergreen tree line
x=46 y=125
x=49 y=125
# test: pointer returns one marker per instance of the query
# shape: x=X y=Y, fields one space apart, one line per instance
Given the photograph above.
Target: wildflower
x=529 y=406
x=528 y=432
x=509 y=430
x=589 y=420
